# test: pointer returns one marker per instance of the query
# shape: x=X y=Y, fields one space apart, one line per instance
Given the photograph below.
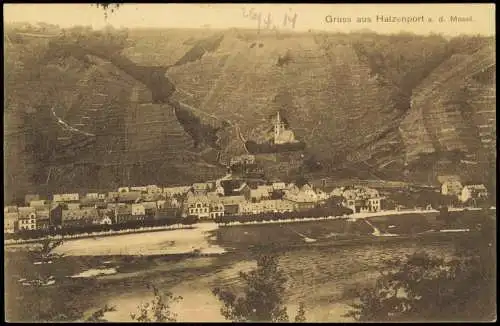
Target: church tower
x=279 y=127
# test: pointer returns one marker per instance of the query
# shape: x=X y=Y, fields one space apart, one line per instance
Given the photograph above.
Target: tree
x=45 y=252
x=98 y=315
x=263 y=298
x=301 y=314
x=423 y=287
x=158 y=310
x=105 y=6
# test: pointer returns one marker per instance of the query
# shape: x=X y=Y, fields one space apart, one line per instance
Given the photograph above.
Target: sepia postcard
x=249 y=162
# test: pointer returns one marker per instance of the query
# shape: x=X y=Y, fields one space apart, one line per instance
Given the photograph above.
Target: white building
x=216 y=209
x=281 y=134
x=139 y=188
x=198 y=206
x=278 y=186
x=452 y=188
x=10 y=220
x=27 y=218
x=267 y=206
x=138 y=209
x=473 y=192
x=59 y=198
x=92 y=195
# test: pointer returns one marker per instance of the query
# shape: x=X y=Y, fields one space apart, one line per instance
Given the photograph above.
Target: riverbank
x=101 y=234
x=352 y=217
x=321 y=274
x=167 y=242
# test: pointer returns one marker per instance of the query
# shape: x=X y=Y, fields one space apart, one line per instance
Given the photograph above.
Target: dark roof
x=124 y=210
x=79 y=214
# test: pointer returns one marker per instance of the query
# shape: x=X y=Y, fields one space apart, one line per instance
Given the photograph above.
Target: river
x=321 y=274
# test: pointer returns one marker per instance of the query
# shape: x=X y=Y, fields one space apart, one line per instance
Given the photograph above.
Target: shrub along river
x=324 y=261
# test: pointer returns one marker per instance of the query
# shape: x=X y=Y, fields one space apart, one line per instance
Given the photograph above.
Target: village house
x=337 y=192
x=219 y=190
x=175 y=191
x=10 y=209
x=267 y=206
x=129 y=197
x=362 y=199
x=216 y=209
x=74 y=197
x=168 y=212
x=106 y=213
x=303 y=198
x=39 y=204
x=321 y=195
x=278 y=186
x=213 y=196
x=89 y=202
x=123 y=214
x=112 y=197
x=73 y=206
x=92 y=195
x=27 y=218
x=234 y=187
x=357 y=205
x=249 y=208
x=100 y=205
x=473 y=192
x=212 y=184
x=79 y=217
x=232 y=204
x=154 y=189
x=258 y=194
x=201 y=188
x=10 y=224
x=43 y=219
x=376 y=204
x=162 y=203
x=104 y=217
x=142 y=189
x=150 y=208
x=452 y=188
x=102 y=196
x=152 y=196
x=173 y=202
x=198 y=205
x=291 y=188
x=138 y=210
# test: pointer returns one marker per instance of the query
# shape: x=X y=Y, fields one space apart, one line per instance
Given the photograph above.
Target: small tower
x=279 y=127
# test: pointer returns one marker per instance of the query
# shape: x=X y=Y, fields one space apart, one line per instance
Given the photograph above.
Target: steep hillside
x=165 y=106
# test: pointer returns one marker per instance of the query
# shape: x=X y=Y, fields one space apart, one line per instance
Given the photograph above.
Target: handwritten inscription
x=265 y=21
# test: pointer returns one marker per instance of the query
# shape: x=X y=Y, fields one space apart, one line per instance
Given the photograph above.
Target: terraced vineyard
x=402 y=106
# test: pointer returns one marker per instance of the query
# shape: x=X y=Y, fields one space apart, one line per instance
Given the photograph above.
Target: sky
x=308 y=16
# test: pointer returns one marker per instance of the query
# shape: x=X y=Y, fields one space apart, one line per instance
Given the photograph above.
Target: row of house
x=453 y=187
x=360 y=199
x=259 y=200
x=43 y=214
x=206 y=200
